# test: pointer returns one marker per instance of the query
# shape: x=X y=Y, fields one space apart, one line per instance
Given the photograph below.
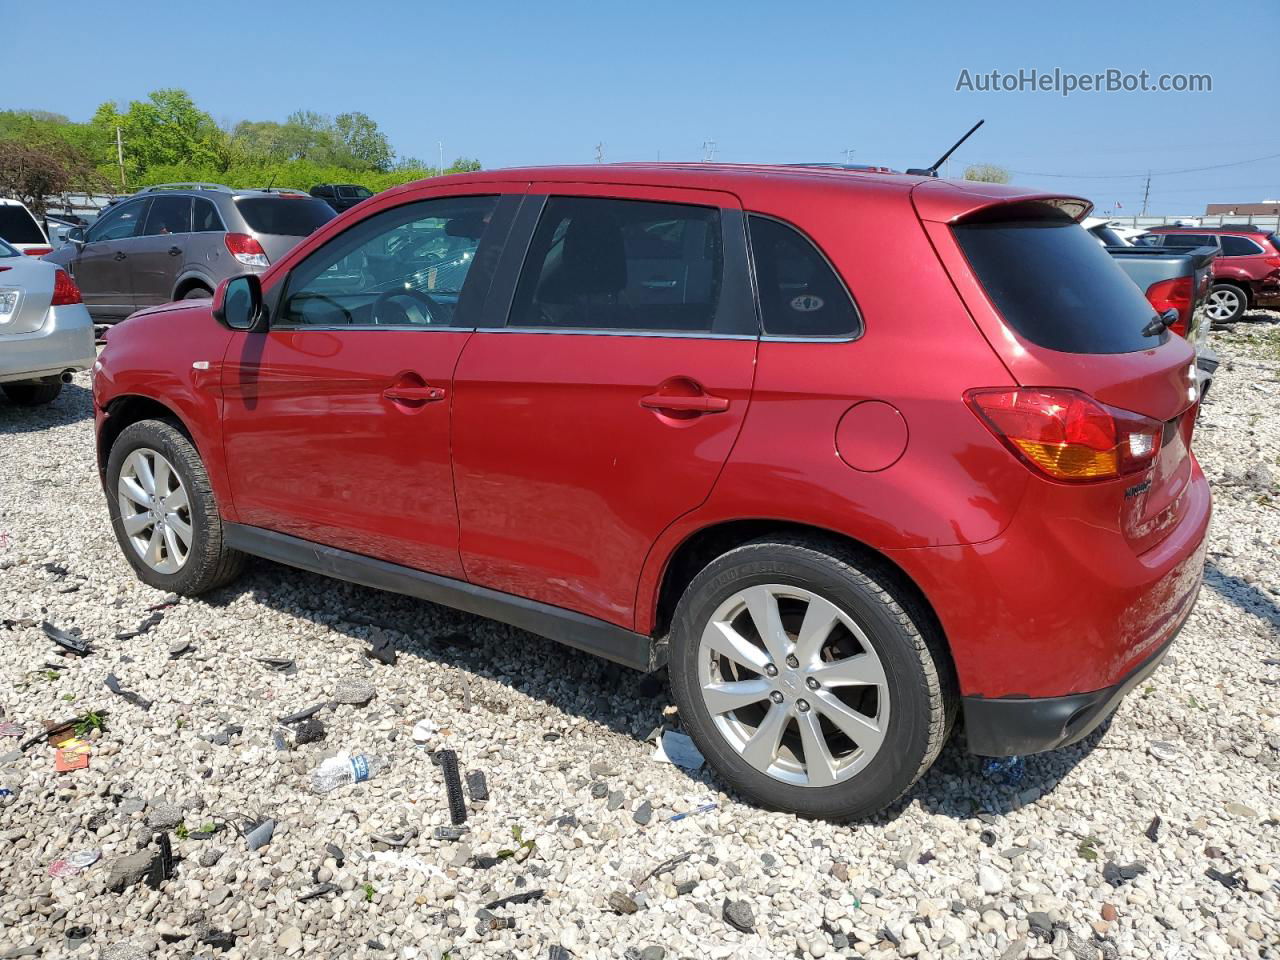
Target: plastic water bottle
x=343 y=769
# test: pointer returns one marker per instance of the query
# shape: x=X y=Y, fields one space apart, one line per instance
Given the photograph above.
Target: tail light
x=1176 y=293
x=246 y=249
x=65 y=291
x=1067 y=435
x=37 y=251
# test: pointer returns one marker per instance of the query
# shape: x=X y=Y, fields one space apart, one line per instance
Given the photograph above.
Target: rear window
x=18 y=226
x=1057 y=287
x=286 y=216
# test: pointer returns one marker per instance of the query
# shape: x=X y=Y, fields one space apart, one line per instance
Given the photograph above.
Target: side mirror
x=76 y=235
x=238 y=304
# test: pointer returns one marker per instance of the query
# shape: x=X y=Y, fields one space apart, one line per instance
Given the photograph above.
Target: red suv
x=848 y=453
x=1245 y=275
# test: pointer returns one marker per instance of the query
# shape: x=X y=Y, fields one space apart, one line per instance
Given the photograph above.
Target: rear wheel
x=1226 y=302
x=163 y=511
x=32 y=393
x=807 y=680
x=198 y=293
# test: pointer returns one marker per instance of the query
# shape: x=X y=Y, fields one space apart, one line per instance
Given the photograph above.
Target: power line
x=1140 y=176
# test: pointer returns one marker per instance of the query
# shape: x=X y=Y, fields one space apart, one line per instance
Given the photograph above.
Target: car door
x=156 y=254
x=602 y=404
x=336 y=421
x=101 y=267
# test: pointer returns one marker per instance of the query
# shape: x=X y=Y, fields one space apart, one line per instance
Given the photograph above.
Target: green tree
x=367 y=145
x=986 y=173
x=166 y=128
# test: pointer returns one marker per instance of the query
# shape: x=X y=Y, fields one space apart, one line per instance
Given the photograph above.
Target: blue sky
x=517 y=83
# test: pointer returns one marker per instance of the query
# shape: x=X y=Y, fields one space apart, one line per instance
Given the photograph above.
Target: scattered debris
x=1153 y=828
x=10 y=729
x=1163 y=751
x=1004 y=771
x=451 y=834
x=665 y=866
x=424 y=730
x=1117 y=875
x=477 y=788
x=319 y=891
x=283 y=665
x=74 y=863
x=643 y=813
x=113 y=684
x=73 y=754
x=304 y=714
x=260 y=835
x=621 y=903
x=737 y=913
x=383 y=650
x=678 y=749
x=170 y=600
x=447 y=760
x=700 y=808
x=178 y=649
x=1229 y=880
x=408 y=861
x=517 y=898
x=145 y=626
x=72 y=644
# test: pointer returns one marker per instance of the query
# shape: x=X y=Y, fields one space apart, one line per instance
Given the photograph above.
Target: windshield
x=285 y=216
x=1056 y=286
x=1108 y=235
x=18 y=226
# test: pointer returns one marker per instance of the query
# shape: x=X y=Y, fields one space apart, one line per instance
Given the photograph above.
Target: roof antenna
x=933 y=171
x=272 y=183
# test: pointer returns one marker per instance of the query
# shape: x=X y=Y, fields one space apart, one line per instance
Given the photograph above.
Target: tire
x=1226 y=303
x=197 y=293
x=913 y=704
x=207 y=562
x=32 y=393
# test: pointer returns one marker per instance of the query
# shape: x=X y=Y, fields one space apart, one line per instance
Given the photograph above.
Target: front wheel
x=808 y=679
x=197 y=293
x=163 y=511
x=1225 y=303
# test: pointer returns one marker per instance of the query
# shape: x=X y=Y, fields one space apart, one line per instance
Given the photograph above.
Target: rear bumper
x=65 y=342
x=1010 y=727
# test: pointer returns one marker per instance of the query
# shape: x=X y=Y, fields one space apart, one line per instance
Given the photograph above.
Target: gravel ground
x=1071 y=862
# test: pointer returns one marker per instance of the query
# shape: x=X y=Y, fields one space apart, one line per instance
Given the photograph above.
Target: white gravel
x=1060 y=866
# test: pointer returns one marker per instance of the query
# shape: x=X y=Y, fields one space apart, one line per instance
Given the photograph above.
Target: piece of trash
x=1163 y=751
x=344 y=769
x=10 y=729
x=448 y=763
x=162 y=867
x=179 y=648
x=319 y=891
x=527 y=896
x=113 y=684
x=396 y=841
x=308 y=731
x=1004 y=771
x=304 y=714
x=425 y=730
x=279 y=664
x=57 y=569
x=384 y=650
x=73 y=864
x=52 y=731
x=260 y=835
x=73 y=754
x=143 y=627
x=407 y=861
x=1229 y=880
x=170 y=600
x=278 y=738
x=700 y=808
x=678 y=749
x=1153 y=828
x=477 y=788
x=335 y=851
x=76 y=645
x=1118 y=874
x=452 y=834
x=20 y=622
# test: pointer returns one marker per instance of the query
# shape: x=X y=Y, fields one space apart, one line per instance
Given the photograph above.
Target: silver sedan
x=46 y=333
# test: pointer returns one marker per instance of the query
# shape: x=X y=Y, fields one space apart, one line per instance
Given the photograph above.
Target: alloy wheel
x=155 y=510
x=1222 y=304
x=793 y=685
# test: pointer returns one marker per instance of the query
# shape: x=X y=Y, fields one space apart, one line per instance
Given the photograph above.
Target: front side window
x=603 y=264
x=1189 y=240
x=1239 y=247
x=168 y=215
x=800 y=293
x=121 y=223
x=405 y=267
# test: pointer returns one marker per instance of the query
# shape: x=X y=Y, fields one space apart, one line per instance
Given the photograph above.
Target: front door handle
x=414 y=394
x=121 y=255
x=174 y=251
x=698 y=403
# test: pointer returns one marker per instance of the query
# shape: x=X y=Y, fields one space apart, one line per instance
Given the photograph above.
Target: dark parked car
x=341 y=196
x=179 y=241
x=849 y=453
x=1246 y=273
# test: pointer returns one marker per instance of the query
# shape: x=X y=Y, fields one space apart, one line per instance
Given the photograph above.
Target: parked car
x=45 y=332
x=1245 y=275
x=843 y=482
x=21 y=230
x=178 y=241
x=341 y=196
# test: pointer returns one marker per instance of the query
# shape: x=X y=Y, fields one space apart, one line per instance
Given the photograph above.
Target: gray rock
x=164 y=815
x=260 y=836
x=217 y=895
x=616 y=799
x=621 y=903
x=210 y=857
x=643 y=814
x=354 y=692
x=738 y=914
x=124 y=872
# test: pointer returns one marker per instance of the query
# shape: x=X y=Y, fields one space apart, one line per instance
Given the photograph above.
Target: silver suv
x=178 y=241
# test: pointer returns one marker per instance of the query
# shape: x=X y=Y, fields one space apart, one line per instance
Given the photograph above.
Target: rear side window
x=285 y=216
x=18 y=226
x=800 y=293
x=1239 y=246
x=206 y=217
x=604 y=264
x=1189 y=240
x=1057 y=287
x=168 y=215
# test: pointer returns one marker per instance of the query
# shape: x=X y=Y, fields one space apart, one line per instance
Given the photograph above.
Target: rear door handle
x=174 y=251
x=414 y=394
x=121 y=255
x=699 y=403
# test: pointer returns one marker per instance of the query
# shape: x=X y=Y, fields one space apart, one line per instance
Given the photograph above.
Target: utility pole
x=440 y=147
x=848 y=155
x=600 y=152
x=1146 y=192
x=708 y=151
x=120 y=158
